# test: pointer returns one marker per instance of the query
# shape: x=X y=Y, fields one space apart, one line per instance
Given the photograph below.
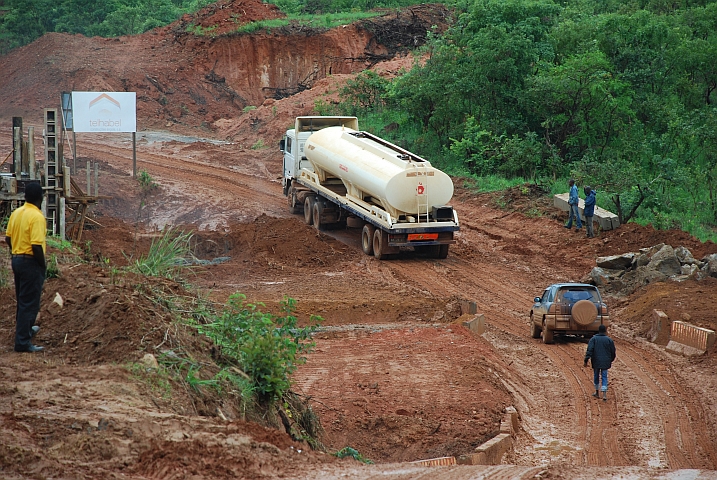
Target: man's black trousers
x=29 y=278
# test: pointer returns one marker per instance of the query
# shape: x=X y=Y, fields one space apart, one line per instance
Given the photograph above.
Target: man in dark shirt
x=601 y=349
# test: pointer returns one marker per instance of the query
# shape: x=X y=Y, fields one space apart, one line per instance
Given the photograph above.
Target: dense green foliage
x=620 y=95
x=22 y=21
x=266 y=347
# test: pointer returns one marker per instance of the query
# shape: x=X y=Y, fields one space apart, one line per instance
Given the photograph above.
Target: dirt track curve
x=394 y=374
x=501 y=260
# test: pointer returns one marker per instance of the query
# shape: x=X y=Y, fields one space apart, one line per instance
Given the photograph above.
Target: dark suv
x=568 y=308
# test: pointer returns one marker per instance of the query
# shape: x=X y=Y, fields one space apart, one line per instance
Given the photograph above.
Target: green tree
x=581 y=105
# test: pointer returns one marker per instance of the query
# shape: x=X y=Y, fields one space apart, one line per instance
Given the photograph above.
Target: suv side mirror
x=536 y=299
x=282 y=144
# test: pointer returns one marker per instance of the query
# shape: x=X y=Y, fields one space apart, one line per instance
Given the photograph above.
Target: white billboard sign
x=104 y=111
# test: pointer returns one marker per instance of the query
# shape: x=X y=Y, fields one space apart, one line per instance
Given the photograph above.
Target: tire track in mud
x=686 y=436
x=601 y=442
x=592 y=423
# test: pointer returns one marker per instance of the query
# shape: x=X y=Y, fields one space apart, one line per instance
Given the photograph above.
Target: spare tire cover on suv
x=584 y=312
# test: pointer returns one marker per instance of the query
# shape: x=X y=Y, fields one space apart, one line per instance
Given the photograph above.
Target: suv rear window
x=573 y=296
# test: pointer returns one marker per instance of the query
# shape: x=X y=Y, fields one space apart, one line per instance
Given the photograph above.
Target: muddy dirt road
x=393 y=375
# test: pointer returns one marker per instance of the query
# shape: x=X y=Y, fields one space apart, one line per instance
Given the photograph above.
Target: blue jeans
x=597 y=373
x=574 y=212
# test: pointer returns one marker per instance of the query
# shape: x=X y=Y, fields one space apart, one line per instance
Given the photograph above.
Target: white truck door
x=289 y=157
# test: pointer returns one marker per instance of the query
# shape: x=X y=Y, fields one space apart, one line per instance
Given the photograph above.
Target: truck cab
x=292 y=145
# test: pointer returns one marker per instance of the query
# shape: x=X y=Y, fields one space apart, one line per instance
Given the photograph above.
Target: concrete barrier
x=604 y=219
x=474 y=323
x=490 y=452
x=689 y=340
x=659 y=320
x=468 y=307
x=436 y=462
x=510 y=421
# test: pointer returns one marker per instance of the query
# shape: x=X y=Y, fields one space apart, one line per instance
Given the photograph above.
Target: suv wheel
x=534 y=329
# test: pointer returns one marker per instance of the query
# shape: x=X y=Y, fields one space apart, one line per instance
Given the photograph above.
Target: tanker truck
x=339 y=176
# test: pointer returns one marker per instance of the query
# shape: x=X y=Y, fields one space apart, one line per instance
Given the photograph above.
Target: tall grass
x=167 y=255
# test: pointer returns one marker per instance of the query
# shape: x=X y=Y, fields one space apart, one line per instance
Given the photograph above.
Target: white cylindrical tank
x=402 y=181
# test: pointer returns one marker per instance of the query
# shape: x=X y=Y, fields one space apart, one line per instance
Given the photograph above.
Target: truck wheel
x=547 y=335
x=534 y=329
x=380 y=239
x=318 y=211
x=442 y=251
x=367 y=239
x=294 y=207
x=309 y=210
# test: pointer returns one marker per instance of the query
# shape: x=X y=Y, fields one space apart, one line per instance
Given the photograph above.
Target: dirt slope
x=193 y=80
x=393 y=374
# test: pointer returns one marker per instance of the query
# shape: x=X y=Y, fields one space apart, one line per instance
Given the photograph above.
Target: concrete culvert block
x=690 y=340
x=468 y=307
x=659 y=321
x=474 y=323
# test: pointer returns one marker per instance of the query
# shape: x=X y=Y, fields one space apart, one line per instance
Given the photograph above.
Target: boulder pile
x=623 y=274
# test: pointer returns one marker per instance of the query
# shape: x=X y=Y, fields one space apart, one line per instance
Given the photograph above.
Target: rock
x=642 y=260
x=710 y=267
x=665 y=261
x=689 y=269
x=58 y=300
x=652 y=250
x=647 y=275
x=603 y=276
x=679 y=278
x=616 y=262
x=150 y=361
x=684 y=255
x=634 y=279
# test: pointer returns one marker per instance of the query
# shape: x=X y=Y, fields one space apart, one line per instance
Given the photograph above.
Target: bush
x=266 y=347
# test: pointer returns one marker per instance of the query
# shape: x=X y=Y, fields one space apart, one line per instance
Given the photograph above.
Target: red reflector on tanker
x=422 y=236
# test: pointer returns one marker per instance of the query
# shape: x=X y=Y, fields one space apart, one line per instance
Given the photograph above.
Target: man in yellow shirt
x=25 y=236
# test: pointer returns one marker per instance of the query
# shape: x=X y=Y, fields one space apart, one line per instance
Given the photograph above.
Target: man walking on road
x=601 y=349
x=573 y=202
x=25 y=236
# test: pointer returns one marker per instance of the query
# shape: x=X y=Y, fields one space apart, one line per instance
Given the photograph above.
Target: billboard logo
x=104 y=111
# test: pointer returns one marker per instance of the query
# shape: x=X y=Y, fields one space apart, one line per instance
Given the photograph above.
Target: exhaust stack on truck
x=340 y=176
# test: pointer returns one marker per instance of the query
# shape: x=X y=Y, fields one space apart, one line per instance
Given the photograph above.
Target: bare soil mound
x=191 y=80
